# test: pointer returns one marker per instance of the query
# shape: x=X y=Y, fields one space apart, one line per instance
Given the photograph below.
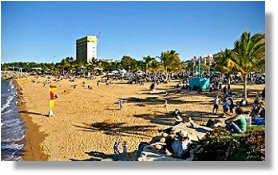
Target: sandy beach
x=87 y=122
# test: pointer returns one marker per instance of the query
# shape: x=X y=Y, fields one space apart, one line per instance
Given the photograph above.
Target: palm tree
x=154 y=66
x=221 y=62
x=147 y=60
x=247 y=56
x=170 y=61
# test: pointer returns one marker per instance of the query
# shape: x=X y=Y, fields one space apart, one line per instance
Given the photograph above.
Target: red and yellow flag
x=52 y=96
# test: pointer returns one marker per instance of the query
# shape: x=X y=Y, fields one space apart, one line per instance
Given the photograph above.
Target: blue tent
x=198 y=83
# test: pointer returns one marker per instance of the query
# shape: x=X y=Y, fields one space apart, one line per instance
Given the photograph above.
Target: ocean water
x=12 y=127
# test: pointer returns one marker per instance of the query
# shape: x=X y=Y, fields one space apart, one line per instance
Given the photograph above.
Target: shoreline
x=32 y=151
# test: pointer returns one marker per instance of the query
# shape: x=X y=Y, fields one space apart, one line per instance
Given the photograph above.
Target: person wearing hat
x=177 y=117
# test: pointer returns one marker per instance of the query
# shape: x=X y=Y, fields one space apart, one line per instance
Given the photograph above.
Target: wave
x=12 y=127
x=12 y=122
x=7 y=140
x=7 y=104
x=12 y=131
x=12 y=152
x=13 y=146
x=8 y=111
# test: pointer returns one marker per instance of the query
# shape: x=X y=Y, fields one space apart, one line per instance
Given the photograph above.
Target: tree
x=221 y=62
x=247 y=56
x=65 y=64
x=147 y=61
x=170 y=61
x=129 y=63
x=154 y=66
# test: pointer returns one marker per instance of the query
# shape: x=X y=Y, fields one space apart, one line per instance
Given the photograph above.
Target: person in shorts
x=215 y=105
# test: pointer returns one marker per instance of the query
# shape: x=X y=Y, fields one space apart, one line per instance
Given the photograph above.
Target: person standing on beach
x=224 y=91
x=116 y=150
x=232 y=105
x=226 y=106
x=124 y=145
x=215 y=105
x=165 y=104
x=121 y=102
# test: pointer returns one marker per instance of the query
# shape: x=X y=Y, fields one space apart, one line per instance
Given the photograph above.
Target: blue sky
x=46 y=31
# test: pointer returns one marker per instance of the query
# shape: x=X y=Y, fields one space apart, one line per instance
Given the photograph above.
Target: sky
x=47 y=31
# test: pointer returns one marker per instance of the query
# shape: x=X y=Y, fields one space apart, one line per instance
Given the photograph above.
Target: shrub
x=221 y=145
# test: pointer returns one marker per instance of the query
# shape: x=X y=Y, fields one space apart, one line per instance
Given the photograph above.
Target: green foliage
x=221 y=145
x=171 y=61
x=129 y=63
x=154 y=66
x=147 y=61
x=248 y=55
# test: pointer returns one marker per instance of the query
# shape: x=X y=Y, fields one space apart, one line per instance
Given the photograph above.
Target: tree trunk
x=166 y=74
x=229 y=80
x=245 y=87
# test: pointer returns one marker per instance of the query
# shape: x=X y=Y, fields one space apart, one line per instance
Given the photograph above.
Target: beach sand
x=87 y=122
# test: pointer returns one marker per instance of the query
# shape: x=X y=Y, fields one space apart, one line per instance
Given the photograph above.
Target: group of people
x=228 y=105
x=176 y=145
x=239 y=123
x=117 y=154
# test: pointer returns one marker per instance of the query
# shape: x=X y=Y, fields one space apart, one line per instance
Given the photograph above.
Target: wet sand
x=87 y=122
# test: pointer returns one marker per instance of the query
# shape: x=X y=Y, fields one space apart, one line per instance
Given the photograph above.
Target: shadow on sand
x=117 y=129
x=33 y=113
x=99 y=156
x=96 y=156
x=160 y=118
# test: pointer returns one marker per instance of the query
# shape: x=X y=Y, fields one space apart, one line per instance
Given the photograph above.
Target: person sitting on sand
x=258 y=110
x=238 y=123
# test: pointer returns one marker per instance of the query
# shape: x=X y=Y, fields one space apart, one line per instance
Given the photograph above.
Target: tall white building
x=86 y=48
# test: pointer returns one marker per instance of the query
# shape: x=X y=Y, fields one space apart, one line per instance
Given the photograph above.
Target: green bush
x=221 y=145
